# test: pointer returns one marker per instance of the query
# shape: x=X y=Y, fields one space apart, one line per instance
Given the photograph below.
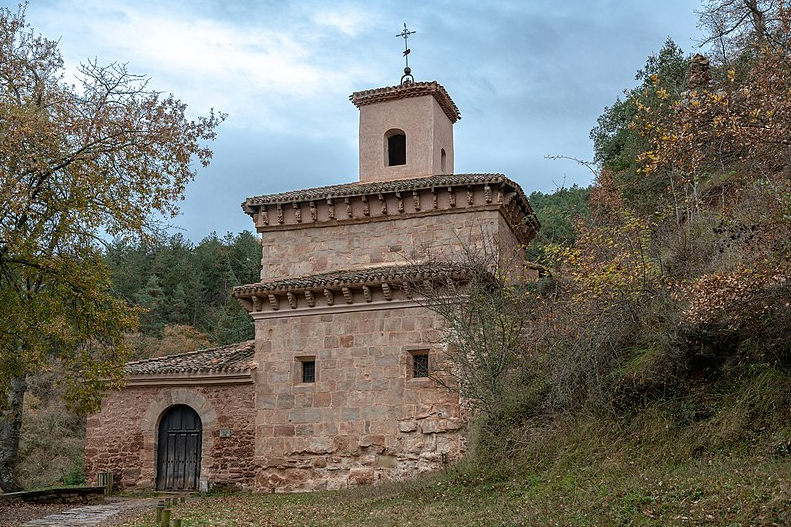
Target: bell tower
x=406 y=131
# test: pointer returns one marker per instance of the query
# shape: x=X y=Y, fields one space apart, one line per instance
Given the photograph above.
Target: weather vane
x=407 y=78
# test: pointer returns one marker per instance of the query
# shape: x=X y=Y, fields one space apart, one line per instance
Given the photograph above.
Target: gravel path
x=37 y=515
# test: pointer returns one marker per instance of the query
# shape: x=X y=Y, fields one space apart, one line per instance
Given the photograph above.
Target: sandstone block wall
x=297 y=252
x=122 y=437
x=365 y=419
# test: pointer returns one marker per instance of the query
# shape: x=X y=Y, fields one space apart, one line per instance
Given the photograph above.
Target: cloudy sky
x=530 y=78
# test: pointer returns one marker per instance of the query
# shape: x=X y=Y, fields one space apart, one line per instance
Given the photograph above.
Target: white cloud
x=259 y=74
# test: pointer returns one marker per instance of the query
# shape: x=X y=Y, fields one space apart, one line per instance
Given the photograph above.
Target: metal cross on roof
x=407 y=78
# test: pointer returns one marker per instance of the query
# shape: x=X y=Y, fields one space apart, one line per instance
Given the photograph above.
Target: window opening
x=443 y=161
x=420 y=365
x=396 y=149
x=308 y=371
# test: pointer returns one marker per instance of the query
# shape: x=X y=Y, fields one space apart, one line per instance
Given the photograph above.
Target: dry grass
x=611 y=488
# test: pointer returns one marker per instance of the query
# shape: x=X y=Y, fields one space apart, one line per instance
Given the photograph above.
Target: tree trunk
x=10 y=426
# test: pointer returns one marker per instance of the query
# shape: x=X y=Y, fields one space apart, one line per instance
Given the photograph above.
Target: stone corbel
x=451 y=197
x=348 y=203
x=256 y=303
x=313 y=213
x=487 y=192
x=330 y=209
x=470 y=195
x=292 y=299
x=264 y=215
x=297 y=212
x=329 y=296
x=384 y=204
x=347 y=295
x=366 y=208
x=387 y=292
x=310 y=298
x=367 y=293
x=434 y=197
x=280 y=213
x=416 y=199
x=274 y=302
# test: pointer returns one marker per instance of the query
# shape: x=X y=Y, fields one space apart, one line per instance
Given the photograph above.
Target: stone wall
x=364 y=419
x=122 y=437
x=306 y=251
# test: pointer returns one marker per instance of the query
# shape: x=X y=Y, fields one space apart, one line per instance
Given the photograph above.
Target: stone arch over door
x=179 y=449
x=150 y=422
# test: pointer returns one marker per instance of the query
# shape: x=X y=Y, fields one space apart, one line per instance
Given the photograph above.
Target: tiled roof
x=398 y=185
x=405 y=91
x=225 y=359
x=370 y=275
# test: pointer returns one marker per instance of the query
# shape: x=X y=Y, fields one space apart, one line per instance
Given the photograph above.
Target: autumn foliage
x=78 y=162
x=674 y=287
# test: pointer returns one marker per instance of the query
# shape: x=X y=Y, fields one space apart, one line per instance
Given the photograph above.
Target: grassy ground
x=719 y=454
x=592 y=479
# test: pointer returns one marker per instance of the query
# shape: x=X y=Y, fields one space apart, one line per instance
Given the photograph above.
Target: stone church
x=335 y=390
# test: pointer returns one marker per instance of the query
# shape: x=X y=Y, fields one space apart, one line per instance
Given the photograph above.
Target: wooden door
x=179 y=450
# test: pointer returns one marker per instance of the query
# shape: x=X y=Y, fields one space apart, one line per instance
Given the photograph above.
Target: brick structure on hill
x=334 y=391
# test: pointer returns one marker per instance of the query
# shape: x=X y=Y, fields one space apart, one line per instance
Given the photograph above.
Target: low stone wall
x=65 y=495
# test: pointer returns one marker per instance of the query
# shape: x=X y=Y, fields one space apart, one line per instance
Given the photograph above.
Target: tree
x=618 y=138
x=557 y=213
x=490 y=316
x=100 y=156
x=739 y=27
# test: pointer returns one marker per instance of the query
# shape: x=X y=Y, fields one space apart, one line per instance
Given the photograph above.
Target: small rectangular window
x=420 y=365
x=308 y=371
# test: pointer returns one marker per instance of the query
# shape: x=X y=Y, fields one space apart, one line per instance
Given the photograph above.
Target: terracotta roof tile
x=406 y=91
x=370 y=275
x=358 y=189
x=231 y=358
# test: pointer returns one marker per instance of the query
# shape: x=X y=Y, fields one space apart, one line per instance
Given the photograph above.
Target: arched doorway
x=179 y=449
